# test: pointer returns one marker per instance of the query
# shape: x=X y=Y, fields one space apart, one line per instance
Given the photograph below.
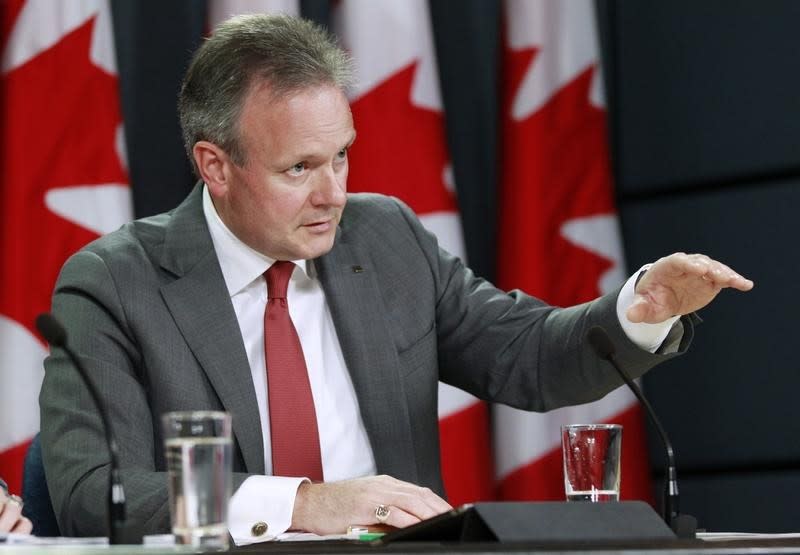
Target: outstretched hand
x=330 y=507
x=679 y=284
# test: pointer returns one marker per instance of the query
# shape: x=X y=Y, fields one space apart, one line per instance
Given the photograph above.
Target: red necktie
x=292 y=417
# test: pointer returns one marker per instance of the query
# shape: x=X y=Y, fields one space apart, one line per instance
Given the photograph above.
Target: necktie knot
x=277 y=277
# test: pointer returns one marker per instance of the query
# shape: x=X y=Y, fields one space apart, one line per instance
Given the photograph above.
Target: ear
x=213 y=164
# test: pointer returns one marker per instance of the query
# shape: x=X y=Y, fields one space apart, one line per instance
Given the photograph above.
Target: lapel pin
x=358 y=269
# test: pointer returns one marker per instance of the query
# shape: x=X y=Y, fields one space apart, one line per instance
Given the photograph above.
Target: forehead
x=319 y=112
x=278 y=129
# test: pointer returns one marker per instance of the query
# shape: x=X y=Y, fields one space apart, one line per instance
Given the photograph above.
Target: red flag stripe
x=466 y=460
x=63 y=182
x=558 y=235
x=527 y=483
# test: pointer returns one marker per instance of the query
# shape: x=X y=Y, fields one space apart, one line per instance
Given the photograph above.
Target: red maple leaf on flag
x=58 y=131
x=401 y=148
x=60 y=115
x=555 y=170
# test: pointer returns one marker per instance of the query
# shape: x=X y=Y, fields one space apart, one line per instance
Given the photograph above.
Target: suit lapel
x=351 y=289
x=199 y=302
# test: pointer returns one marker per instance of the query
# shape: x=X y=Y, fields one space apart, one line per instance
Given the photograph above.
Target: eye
x=341 y=156
x=297 y=170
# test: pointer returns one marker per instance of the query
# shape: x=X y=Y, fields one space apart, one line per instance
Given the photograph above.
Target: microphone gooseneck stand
x=120 y=531
x=684 y=526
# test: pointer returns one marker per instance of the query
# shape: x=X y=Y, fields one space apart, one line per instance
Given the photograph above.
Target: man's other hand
x=11 y=519
x=329 y=508
x=679 y=284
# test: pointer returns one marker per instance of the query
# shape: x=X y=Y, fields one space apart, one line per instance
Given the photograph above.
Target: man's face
x=287 y=199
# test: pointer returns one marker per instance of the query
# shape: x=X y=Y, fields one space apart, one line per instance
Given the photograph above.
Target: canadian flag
x=559 y=235
x=63 y=181
x=401 y=150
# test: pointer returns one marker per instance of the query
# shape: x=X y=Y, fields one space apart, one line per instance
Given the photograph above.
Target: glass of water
x=197 y=446
x=591 y=461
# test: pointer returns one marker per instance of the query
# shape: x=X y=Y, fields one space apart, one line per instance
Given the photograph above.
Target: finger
x=708 y=269
x=10 y=515
x=742 y=283
x=399 y=518
x=24 y=526
x=696 y=264
x=426 y=494
x=414 y=504
x=723 y=276
x=434 y=501
x=419 y=501
x=643 y=310
x=638 y=310
x=717 y=273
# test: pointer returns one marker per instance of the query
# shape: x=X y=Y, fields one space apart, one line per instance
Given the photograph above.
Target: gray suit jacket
x=148 y=310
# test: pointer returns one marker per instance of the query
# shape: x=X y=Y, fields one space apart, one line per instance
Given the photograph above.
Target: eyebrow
x=310 y=156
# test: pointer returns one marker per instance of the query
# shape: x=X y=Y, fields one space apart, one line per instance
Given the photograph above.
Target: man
x=169 y=313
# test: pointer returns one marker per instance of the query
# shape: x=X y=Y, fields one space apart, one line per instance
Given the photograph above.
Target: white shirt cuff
x=647 y=336
x=259 y=501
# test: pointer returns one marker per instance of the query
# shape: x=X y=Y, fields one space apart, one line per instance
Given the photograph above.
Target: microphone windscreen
x=600 y=342
x=51 y=329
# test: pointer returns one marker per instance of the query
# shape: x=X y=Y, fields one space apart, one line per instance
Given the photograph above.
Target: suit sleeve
x=515 y=349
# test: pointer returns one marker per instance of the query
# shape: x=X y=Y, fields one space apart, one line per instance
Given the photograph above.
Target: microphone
x=55 y=334
x=684 y=526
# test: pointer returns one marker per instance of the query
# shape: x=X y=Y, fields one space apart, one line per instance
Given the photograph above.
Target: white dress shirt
x=345 y=448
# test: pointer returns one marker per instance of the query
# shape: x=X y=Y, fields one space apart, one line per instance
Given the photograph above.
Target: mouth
x=320 y=226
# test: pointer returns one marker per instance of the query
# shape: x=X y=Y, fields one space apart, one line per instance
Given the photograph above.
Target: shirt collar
x=240 y=264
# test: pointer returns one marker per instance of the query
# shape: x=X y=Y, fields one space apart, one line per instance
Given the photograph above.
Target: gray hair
x=291 y=54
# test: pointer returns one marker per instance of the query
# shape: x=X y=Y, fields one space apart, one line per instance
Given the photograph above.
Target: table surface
x=776 y=545
x=678 y=547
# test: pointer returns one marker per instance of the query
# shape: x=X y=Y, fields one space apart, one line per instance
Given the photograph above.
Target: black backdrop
x=705 y=135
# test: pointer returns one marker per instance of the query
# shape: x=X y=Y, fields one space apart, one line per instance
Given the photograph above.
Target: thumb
x=638 y=310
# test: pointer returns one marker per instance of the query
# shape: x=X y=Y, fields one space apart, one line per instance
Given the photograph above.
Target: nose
x=331 y=188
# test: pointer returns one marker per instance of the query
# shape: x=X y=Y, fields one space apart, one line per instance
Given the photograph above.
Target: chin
x=317 y=252
x=314 y=249
x=322 y=249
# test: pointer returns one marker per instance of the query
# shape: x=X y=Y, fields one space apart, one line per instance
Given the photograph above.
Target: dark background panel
x=468 y=51
x=732 y=400
x=155 y=41
x=743 y=501
x=704 y=136
x=706 y=92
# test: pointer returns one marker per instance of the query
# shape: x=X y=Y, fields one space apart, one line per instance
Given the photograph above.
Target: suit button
x=259 y=529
